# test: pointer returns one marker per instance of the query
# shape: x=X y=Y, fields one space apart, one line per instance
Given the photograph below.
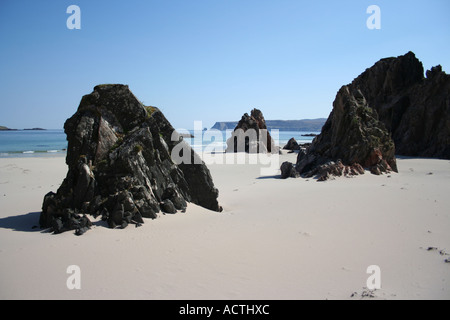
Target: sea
x=29 y=143
x=38 y=143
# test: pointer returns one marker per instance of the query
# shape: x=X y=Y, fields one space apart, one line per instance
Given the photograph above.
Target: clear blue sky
x=208 y=60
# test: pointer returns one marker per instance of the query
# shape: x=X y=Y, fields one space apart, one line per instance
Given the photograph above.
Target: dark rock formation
x=292 y=145
x=424 y=128
x=120 y=166
x=390 y=108
x=288 y=170
x=352 y=138
x=414 y=109
x=251 y=135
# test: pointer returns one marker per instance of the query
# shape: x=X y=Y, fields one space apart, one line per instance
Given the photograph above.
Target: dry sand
x=275 y=239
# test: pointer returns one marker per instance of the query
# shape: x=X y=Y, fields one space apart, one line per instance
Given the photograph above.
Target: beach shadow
x=29 y=222
x=100 y=223
x=407 y=157
x=25 y=223
x=278 y=176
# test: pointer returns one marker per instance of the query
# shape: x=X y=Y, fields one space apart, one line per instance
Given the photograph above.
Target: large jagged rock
x=352 y=138
x=390 y=108
x=251 y=135
x=424 y=128
x=414 y=109
x=120 y=166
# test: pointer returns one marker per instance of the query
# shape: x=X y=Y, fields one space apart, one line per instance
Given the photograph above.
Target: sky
x=204 y=60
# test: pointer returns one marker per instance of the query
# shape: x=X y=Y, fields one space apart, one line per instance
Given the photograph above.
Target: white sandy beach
x=275 y=239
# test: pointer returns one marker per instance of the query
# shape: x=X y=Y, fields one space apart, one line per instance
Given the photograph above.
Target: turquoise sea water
x=26 y=143
x=32 y=142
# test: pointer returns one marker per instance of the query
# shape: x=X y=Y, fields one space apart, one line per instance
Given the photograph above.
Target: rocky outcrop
x=120 y=166
x=424 y=128
x=352 y=139
x=292 y=145
x=414 y=109
x=389 y=109
x=251 y=135
x=288 y=170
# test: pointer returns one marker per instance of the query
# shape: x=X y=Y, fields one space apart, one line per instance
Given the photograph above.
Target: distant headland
x=310 y=125
x=3 y=128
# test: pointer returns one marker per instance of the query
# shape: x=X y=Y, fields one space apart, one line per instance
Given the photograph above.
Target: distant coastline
x=3 y=128
x=307 y=125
